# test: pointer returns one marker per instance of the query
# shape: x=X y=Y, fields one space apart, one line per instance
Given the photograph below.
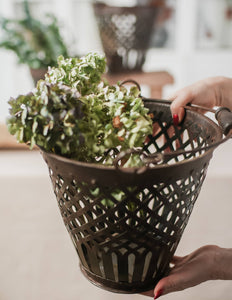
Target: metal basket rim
x=99 y=166
x=128 y=169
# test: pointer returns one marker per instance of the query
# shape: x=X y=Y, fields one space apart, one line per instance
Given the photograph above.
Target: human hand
x=210 y=92
x=206 y=263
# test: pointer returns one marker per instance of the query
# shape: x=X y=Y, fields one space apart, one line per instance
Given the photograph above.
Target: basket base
x=118 y=287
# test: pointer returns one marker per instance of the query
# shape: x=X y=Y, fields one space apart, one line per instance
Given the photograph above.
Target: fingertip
x=177 y=114
x=158 y=294
x=175 y=119
x=159 y=288
x=182 y=98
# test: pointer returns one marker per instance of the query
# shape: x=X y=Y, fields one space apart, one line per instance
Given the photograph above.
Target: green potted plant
x=36 y=44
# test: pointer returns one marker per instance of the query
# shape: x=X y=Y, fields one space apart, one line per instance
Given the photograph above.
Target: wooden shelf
x=9 y=142
x=155 y=80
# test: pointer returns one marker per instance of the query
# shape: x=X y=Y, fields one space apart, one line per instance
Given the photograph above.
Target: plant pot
x=125 y=34
x=126 y=223
x=37 y=74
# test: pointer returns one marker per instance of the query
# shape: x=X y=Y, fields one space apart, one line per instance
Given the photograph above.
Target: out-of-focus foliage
x=36 y=43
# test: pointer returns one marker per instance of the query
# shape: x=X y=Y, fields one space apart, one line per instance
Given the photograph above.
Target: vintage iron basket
x=125 y=245
x=125 y=33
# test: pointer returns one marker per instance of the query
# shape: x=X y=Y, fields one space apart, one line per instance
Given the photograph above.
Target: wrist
x=223 y=91
x=222 y=264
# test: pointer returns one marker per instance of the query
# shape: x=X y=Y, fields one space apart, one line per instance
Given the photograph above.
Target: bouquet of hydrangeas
x=76 y=114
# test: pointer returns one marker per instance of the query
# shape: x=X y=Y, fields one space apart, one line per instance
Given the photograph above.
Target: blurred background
x=177 y=43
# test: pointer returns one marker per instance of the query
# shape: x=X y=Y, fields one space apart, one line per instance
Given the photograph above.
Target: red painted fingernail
x=158 y=294
x=175 y=119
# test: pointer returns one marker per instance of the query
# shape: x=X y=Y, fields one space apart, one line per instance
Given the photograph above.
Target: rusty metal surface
x=125 y=245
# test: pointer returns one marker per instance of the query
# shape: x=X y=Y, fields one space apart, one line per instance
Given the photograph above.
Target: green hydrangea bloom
x=74 y=113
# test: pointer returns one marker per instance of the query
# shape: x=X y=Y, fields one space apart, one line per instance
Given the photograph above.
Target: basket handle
x=224 y=118
x=223 y=114
x=146 y=159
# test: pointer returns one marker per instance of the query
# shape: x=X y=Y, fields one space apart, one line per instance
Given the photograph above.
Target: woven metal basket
x=125 y=245
x=125 y=34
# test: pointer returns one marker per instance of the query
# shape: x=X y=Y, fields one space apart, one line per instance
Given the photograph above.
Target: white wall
x=188 y=62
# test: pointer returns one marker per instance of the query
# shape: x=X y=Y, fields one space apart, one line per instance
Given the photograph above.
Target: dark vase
x=37 y=74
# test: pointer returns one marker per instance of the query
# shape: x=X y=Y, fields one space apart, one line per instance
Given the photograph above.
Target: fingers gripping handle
x=224 y=118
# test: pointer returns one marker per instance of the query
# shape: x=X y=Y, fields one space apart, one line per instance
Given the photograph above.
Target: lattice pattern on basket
x=168 y=138
x=125 y=33
x=130 y=239
x=125 y=224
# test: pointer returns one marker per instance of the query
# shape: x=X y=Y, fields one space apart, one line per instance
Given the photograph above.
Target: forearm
x=223 y=90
